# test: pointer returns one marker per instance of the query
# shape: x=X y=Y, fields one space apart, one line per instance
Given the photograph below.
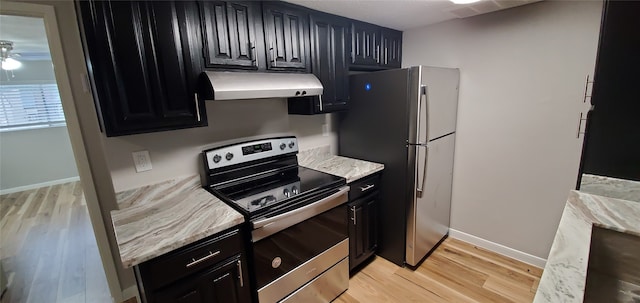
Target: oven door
x=289 y=258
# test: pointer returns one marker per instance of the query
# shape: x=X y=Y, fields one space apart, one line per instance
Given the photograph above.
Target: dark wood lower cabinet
x=363 y=218
x=225 y=284
x=213 y=270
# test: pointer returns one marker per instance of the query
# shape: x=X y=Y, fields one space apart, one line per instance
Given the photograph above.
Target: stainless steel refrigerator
x=406 y=119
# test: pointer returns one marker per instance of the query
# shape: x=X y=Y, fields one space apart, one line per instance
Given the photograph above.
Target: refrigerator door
x=441 y=86
x=375 y=129
x=428 y=214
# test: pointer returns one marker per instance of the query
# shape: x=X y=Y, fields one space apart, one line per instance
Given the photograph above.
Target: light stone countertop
x=351 y=169
x=564 y=276
x=156 y=219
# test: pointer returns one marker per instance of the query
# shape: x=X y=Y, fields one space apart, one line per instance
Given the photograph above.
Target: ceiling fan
x=7 y=58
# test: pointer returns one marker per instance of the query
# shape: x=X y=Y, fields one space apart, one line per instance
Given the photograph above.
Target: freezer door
x=428 y=215
x=441 y=86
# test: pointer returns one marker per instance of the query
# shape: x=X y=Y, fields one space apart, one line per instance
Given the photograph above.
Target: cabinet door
x=330 y=40
x=363 y=233
x=231 y=34
x=286 y=37
x=391 y=48
x=224 y=284
x=229 y=284
x=365 y=44
x=144 y=59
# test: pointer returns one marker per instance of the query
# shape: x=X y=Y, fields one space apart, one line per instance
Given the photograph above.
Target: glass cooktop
x=264 y=194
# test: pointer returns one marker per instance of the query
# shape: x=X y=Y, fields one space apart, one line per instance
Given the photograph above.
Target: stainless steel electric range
x=298 y=218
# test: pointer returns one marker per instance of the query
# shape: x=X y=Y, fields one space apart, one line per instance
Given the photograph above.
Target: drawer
x=364 y=186
x=185 y=261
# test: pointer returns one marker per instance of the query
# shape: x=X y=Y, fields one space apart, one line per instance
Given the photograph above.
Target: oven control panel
x=250 y=151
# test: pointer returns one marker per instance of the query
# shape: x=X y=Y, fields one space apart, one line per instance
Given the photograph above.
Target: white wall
x=522 y=81
x=22 y=159
x=177 y=153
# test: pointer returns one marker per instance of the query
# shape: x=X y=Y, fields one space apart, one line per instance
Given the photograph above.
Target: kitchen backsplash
x=177 y=153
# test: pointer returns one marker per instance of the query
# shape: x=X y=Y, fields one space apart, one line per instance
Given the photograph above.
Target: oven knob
x=291 y=144
x=229 y=156
x=216 y=158
x=282 y=146
x=294 y=190
x=286 y=192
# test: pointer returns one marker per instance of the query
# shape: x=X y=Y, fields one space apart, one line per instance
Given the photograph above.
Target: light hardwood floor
x=48 y=249
x=455 y=272
x=49 y=252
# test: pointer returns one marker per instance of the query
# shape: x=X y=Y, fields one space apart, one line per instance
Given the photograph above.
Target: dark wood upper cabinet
x=374 y=47
x=365 y=44
x=144 y=60
x=330 y=50
x=233 y=34
x=286 y=34
x=390 y=48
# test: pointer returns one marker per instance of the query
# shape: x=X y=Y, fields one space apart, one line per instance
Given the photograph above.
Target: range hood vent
x=251 y=85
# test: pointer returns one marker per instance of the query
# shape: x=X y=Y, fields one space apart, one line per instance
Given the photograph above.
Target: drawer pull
x=239 y=264
x=205 y=258
x=367 y=187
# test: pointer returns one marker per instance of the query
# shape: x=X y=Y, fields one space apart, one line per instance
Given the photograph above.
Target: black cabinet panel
x=374 y=47
x=612 y=140
x=391 y=49
x=210 y=270
x=363 y=218
x=225 y=284
x=233 y=34
x=144 y=59
x=330 y=48
x=286 y=37
x=365 y=44
x=363 y=214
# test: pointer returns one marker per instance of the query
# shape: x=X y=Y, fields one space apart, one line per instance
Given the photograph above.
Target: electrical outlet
x=325 y=130
x=142 y=160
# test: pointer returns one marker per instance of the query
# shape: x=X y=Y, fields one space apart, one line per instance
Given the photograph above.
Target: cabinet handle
x=367 y=187
x=197 y=106
x=273 y=57
x=353 y=210
x=239 y=264
x=205 y=258
x=252 y=45
x=320 y=101
x=578 y=133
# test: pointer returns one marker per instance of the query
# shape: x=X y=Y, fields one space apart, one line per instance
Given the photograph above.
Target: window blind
x=24 y=106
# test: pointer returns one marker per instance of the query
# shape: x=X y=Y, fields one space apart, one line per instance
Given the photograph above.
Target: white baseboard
x=34 y=186
x=498 y=248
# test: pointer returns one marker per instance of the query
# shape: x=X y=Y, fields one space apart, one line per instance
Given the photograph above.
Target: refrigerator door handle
x=423 y=95
x=420 y=184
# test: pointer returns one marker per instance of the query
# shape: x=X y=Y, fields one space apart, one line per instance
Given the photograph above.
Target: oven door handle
x=293 y=217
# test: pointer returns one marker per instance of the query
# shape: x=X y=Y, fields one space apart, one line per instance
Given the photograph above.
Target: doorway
x=48 y=249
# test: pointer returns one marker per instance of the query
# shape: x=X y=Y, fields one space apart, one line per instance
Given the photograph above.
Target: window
x=24 y=106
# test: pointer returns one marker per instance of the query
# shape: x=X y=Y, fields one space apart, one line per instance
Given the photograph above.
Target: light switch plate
x=142 y=160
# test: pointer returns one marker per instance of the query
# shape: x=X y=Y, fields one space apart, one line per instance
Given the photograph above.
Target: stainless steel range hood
x=252 y=85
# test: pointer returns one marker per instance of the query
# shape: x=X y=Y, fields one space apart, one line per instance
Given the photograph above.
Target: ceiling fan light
x=464 y=1
x=10 y=64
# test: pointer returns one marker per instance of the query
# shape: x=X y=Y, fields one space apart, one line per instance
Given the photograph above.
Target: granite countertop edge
x=156 y=219
x=348 y=168
x=564 y=275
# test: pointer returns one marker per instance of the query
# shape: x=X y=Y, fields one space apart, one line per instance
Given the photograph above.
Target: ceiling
x=28 y=34
x=406 y=14
x=30 y=39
